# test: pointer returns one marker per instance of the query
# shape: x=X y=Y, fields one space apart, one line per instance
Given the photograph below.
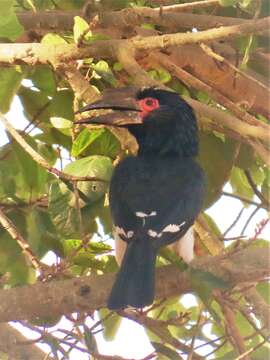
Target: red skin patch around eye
x=147 y=105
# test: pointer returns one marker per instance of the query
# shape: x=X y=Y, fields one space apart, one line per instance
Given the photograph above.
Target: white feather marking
x=152 y=233
x=120 y=231
x=186 y=246
x=143 y=215
x=173 y=227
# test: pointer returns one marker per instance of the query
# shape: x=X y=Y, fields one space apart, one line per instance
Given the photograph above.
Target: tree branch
x=33 y=53
x=91 y=292
x=190 y=80
x=17 y=347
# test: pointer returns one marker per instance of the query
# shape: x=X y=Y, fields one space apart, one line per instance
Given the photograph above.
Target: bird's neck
x=164 y=141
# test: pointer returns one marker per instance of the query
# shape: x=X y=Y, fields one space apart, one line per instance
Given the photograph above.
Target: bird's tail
x=135 y=281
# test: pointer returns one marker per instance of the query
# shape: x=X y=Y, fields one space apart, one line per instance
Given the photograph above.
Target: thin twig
x=235 y=335
x=248 y=352
x=39 y=159
x=254 y=187
x=13 y=232
x=197 y=328
x=242 y=198
x=249 y=220
x=234 y=222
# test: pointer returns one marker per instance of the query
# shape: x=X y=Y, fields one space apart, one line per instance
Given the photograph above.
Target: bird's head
x=161 y=120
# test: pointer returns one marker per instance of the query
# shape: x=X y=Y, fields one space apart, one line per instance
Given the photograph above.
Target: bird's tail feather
x=135 y=281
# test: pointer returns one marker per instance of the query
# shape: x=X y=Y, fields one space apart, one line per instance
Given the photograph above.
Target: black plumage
x=156 y=196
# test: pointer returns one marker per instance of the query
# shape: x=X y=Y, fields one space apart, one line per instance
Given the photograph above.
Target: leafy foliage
x=71 y=219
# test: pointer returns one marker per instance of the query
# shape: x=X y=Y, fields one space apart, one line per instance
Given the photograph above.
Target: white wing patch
x=184 y=247
x=171 y=228
x=140 y=214
x=120 y=231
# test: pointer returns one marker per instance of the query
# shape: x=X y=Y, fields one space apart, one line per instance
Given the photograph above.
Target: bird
x=156 y=195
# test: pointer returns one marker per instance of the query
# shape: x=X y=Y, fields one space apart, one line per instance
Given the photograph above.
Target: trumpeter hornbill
x=155 y=196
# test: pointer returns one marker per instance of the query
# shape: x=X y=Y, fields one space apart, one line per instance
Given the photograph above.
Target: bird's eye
x=148 y=104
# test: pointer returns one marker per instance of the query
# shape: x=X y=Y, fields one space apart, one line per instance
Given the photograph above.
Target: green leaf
x=240 y=184
x=84 y=256
x=43 y=79
x=110 y=323
x=62 y=202
x=245 y=157
x=34 y=177
x=117 y=66
x=61 y=123
x=106 y=144
x=10 y=27
x=181 y=89
x=84 y=139
x=10 y=80
x=216 y=158
x=53 y=39
x=100 y=167
x=257 y=174
x=41 y=234
x=203 y=97
x=261 y=353
x=65 y=217
x=228 y=356
x=264 y=290
x=62 y=105
x=80 y=27
x=90 y=340
x=47 y=152
x=102 y=70
x=96 y=166
x=31 y=4
x=34 y=102
x=266 y=185
x=160 y=75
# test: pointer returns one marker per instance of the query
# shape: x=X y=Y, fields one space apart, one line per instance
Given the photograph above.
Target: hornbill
x=154 y=196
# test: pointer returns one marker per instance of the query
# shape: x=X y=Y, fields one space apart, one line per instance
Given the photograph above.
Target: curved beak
x=121 y=104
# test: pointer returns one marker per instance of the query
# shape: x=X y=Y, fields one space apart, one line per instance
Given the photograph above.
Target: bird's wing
x=159 y=200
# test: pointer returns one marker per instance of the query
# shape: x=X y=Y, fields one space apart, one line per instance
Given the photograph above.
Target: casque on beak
x=122 y=102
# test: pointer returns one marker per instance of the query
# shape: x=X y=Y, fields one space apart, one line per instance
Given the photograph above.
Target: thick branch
x=17 y=347
x=170 y=21
x=89 y=293
x=258 y=131
x=43 y=53
x=63 y=20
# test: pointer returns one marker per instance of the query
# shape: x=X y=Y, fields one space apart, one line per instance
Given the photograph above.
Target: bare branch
x=235 y=335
